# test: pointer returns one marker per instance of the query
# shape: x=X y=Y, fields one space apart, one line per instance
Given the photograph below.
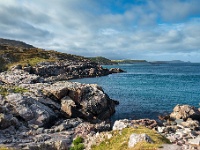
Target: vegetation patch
x=78 y=144
x=119 y=140
x=5 y=90
x=101 y=60
x=12 y=55
x=2 y=147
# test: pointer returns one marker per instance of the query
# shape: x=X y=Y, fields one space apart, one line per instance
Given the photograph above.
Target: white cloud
x=91 y=28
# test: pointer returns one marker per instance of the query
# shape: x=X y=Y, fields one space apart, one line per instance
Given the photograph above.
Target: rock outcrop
x=135 y=138
x=184 y=112
x=48 y=115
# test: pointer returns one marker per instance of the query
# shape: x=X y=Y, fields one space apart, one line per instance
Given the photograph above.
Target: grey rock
x=161 y=129
x=184 y=112
x=135 y=138
x=68 y=106
x=31 y=110
x=195 y=141
x=17 y=76
x=119 y=125
x=56 y=90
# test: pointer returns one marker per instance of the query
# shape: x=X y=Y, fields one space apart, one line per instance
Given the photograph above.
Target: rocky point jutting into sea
x=41 y=109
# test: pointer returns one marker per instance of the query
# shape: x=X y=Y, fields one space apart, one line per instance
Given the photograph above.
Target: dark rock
x=116 y=70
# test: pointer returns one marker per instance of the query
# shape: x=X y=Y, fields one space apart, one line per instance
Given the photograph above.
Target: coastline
x=60 y=100
x=41 y=109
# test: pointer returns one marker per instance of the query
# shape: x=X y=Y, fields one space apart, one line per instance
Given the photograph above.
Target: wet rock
x=116 y=70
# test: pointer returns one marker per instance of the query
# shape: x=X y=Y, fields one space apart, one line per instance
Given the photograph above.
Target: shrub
x=78 y=144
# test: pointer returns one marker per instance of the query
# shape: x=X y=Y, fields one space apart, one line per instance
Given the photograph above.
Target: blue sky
x=116 y=29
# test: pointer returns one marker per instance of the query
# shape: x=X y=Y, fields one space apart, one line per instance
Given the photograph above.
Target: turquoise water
x=145 y=91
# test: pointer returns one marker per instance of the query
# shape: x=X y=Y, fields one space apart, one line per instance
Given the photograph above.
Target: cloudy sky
x=116 y=29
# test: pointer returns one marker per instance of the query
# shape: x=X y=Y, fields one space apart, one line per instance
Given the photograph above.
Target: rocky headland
x=41 y=109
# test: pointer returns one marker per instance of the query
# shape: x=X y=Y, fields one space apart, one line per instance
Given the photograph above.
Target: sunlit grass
x=120 y=139
x=5 y=90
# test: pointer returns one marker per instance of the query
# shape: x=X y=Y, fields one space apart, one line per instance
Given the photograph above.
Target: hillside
x=105 y=61
x=14 y=43
x=129 y=61
x=15 y=52
x=102 y=60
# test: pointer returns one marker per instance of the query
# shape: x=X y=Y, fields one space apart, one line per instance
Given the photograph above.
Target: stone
x=116 y=70
x=179 y=121
x=4 y=121
x=31 y=110
x=184 y=112
x=195 y=141
x=135 y=138
x=56 y=91
x=17 y=77
x=68 y=106
x=119 y=125
x=161 y=129
x=190 y=124
x=16 y=67
x=62 y=144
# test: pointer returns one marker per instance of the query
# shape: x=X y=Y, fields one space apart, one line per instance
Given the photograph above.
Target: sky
x=116 y=29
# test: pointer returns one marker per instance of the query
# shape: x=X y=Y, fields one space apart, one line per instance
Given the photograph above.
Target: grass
x=31 y=61
x=120 y=139
x=31 y=56
x=2 y=147
x=5 y=90
x=78 y=144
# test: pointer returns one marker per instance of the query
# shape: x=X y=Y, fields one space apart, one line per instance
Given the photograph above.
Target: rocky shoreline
x=40 y=109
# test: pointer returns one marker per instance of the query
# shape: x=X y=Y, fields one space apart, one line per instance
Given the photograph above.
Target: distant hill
x=102 y=60
x=129 y=61
x=105 y=61
x=16 y=52
x=14 y=43
x=169 y=62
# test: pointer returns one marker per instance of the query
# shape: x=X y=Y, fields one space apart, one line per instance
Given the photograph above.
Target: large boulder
x=184 y=112
x=135 y=138
x=30 y=110
x=56 y=91
x=69 y=107
x=87 y=101
x=121 y=124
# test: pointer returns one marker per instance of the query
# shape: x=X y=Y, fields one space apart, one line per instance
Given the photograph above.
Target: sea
x=148 y=90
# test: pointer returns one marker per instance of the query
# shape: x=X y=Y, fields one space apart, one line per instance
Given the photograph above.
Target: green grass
x=31 y=56
x=78 y=144
x=5 y=90
x=120 y=139
x=2 y=147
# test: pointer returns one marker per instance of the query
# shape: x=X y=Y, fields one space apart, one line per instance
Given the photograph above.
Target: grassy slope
x=11 y=55
x=120 y=139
